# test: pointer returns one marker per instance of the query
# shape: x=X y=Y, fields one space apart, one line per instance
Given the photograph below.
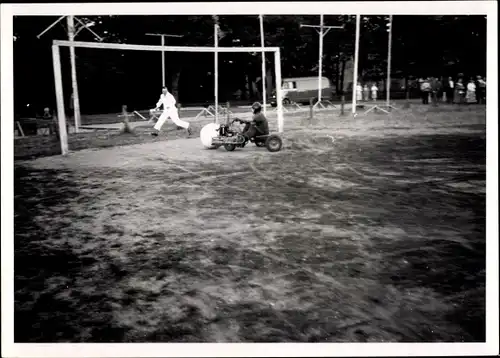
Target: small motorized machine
x=231 y=139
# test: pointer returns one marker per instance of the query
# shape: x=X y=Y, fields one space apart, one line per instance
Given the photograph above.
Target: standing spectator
x=481 y=90
x=425 y=90
x=366 y=92
x=359 y=92
x=449 y=89
x=419 y=87
x=435 y=89
x=374 y=91
x=459 y=93
x=470 y=96
x=46 y=113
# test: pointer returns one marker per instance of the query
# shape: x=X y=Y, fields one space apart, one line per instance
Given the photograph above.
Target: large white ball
x=208 y=132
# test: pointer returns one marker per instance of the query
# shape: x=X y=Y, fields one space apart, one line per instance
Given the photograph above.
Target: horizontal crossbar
x=115 y=46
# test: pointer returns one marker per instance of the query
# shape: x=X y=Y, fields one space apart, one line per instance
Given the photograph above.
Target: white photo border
x=11 y=349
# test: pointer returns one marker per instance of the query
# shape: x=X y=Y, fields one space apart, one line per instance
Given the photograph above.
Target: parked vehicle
x=302 y=89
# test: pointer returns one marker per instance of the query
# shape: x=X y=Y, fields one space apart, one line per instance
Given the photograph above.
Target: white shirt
x=374 y=89
x=471 y=87
x=168 y=101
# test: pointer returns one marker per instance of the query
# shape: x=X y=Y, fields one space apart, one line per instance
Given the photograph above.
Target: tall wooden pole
x=216 y=72
x=389 y=50
x=163 y=61
x=163 y=72
x=279 y=96
x=323 y=30
x=61 y=116
x=264 y=95
x=355 y=74
x=320 y=65
x=74 y=82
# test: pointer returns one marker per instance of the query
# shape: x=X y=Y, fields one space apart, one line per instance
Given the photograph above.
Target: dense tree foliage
x=422 y=46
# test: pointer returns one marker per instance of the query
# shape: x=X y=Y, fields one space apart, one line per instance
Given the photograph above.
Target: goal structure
x=113 y=46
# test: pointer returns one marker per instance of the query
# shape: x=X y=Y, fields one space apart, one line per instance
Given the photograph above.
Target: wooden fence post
x=126 y=125
x=342 y=104
x=228 y=105
x=311 y=108
x=407 y=101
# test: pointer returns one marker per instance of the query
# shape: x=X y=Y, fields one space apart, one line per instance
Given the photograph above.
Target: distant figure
x=459 y=93
x=425 y=90
x=436 y=90
x=46 y=113
x=359 y=92
x=366 y=92
x=374 y=90
x=470 y=96
x=481 y=90
x=238 y=94
x=449 y=89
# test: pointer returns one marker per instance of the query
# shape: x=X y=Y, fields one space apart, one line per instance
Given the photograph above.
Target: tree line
x=422 y=46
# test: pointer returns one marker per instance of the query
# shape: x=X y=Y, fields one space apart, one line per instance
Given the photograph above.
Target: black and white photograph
x=249 y=173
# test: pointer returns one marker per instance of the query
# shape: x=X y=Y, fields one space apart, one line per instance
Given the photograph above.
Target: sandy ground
x=360 y=229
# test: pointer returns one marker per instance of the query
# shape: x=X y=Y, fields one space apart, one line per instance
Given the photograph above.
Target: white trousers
x=172 y=114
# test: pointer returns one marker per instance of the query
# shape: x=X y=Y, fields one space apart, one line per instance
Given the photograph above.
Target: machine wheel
x=286 y=101
x=274 y=143
x=229 y=147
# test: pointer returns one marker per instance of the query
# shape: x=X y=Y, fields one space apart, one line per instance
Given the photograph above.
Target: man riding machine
x=256 y=131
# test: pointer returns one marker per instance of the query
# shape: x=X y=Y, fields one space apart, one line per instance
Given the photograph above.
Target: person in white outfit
x=167 y=100
x=374 y=90
x=359 y=92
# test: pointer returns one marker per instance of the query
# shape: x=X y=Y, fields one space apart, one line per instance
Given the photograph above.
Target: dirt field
x=360 y=230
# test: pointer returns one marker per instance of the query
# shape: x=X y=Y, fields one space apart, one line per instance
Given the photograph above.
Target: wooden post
x=61 y=116
x=389 y=54
x=162 y=61
x=125 y=114
x=74 y=82
x=264 y=94
x=407 y=103
x=356 y=60
x=126 y=125
x=20 y=129
x=216 y=72
x=279 y=94
x=227 y=112
x=342 y=104
x=311 y=108
x=320 y=62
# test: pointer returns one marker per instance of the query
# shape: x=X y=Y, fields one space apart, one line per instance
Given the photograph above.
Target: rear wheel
x=286 y=101
x=273 y=143
x=229 y=147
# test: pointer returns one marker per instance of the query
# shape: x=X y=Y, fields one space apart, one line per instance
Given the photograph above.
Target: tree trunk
x=269 y=81
x=337 y=75
x=250 y=87
x=342 y=76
